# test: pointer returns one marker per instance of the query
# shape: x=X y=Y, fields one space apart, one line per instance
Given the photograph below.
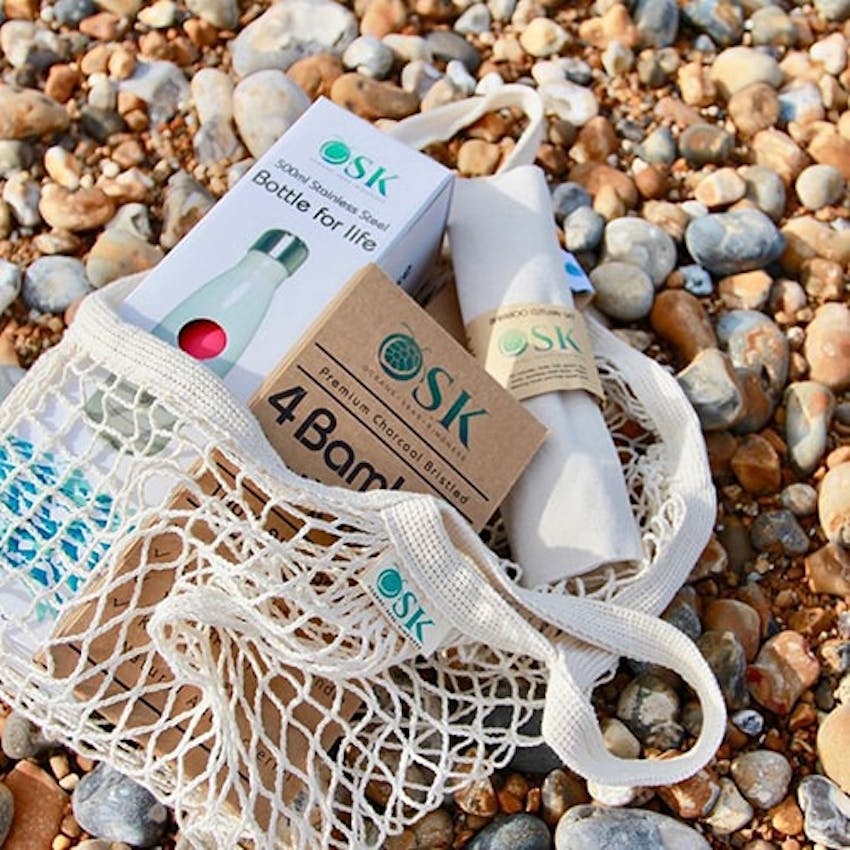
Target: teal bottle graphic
x=218 y=320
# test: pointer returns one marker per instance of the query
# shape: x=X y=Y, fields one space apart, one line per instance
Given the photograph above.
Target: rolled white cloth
x=569 y=511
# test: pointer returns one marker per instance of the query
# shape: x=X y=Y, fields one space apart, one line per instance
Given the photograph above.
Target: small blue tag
x=579 y=282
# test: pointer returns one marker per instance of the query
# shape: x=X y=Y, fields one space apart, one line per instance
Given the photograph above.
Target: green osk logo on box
x=356 y=166
x=402 y=358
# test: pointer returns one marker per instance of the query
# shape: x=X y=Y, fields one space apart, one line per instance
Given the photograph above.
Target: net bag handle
x=440 y=549
x=443 y=122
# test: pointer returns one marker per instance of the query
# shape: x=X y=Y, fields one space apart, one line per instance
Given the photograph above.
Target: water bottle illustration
x=218 y=320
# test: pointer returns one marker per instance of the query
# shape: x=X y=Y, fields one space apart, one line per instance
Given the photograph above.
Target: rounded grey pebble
x=754 y=341
x=634 y=240
x=21 y=738
x=749 y=721
x=712 y=387
x=697 y=280
x=720 y=19
x=515 y=832
x=762 y=776
x=448 y=45
x=10 y=284
x=827 y=812
x=833 y=10
x=819 y=186
x=779 y=528
x=110 y=805
x=7 y=812
x=583 y=229
x=657 y=22
x=623 y=291
x=732 y=242
x=658 y=147
x=71 y=12
x=568 y=197
x=52 y=284
x=588 y=827
x=765 y=189
x=800 y=498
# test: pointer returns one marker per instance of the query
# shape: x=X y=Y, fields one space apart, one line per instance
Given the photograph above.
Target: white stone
x=162 y=86
x=570 y=102
x=476 y=20
x=10 y=284
x=460 y=77
x=408 y=48
x=831 y=52
x=543 y=37
x=417 y=77
x=369 y=56
x=159 y=15
x=212 y=93
x=265 y=105
x=617 y=59
x=291 y=30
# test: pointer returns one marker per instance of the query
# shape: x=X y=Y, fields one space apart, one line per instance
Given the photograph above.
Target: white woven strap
x=430 y=538
x=443 y=122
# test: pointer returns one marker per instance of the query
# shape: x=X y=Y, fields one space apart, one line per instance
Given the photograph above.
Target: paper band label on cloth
x=404 y=604
x=531 y=349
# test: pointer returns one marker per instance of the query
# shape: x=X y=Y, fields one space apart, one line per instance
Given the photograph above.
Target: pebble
x=827 y=346
x=617 y=59
x=681 y=321
x=833 y=10
x=543 y=37
x=658 y=147
x=623 y=290
x=808 y=410
x=770 y=25
x=834 y=505
x=39 y=806
x=727 y=658
x=265 y=105
x=52 y=284
x=801 y=499
x=832 y=738
x=745 y=291
x=702 y=144
x=657 y=22
x=25 y=113
x=7 y=812
x=778 y=530
x=828 y=570
x=765 y=189
x=369 y=56
x=10 y=284
x=831 y=53
x=109 y=805
x=85 y=209
x=827 y=812
x=696 y=280
x=222 y=14
x=477 y=798
x=568 y=197
x=777 y=151
x=754 y=341
x=807 y=238
x=731 y=812
x=434 y=830
x=162 y=86
x=570 y=102
x=119 y=252
x=633 y=240
x=515 y=832
x=754 y=108
x=619 y=740
x=372 y=99
x=800 y=102
x=732 y=242
x=23 y=195
x=559 y=792
x=614 y=25
x=596 y=177
x=289 y=31
x=21 y=738
x=784 y=668
x=587 y=826
x=721 y=188
x=762 y=776
x=583 y=229
x=212 y=95
x=216 y=141
x=447 y=45
x=649 y=707
x=749 y=721
x=723 y=20
x=316 y=74
x=738 y=67
x=823 y=279
x=756 y=466
x=71 y=12
x=712 y=387
x=14 y=156
x=186 y=202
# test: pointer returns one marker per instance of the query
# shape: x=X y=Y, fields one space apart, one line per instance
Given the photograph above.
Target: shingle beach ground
x=698 y=156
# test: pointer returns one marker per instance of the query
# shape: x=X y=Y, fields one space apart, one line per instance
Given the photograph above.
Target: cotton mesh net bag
x=241 y=641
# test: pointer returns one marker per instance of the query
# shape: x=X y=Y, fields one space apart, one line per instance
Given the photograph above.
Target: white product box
x=333 y=194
